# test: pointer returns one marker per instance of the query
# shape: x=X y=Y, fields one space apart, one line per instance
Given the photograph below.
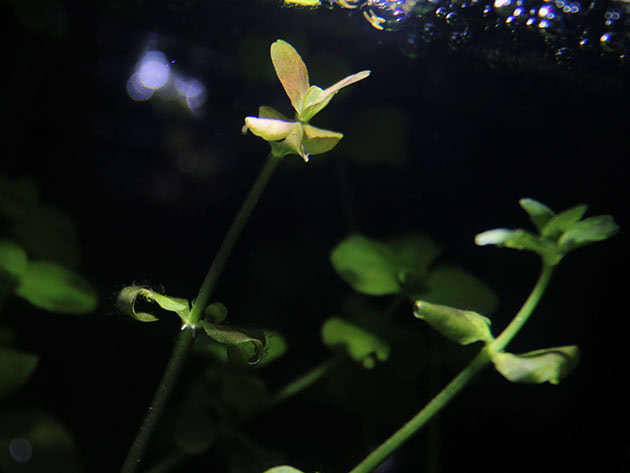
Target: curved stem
x=459 y=382
x=526 y=310
x=185 y=337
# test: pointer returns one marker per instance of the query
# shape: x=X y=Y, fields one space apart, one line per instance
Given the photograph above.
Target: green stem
x=209 y=282
x=526 y=310
x=185 y=337
x=173 y=368
x=482 y=359
x=304 y=381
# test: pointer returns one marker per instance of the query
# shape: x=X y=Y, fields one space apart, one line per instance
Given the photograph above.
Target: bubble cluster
x=568 y=30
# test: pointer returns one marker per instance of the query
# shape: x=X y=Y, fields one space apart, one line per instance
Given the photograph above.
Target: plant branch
x=483 y=358
x=209 y=282
x=185 y=337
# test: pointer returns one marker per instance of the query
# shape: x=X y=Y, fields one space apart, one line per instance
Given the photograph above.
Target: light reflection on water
x=155 y=76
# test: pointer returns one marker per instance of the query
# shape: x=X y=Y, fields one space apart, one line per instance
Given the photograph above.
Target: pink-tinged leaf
x=291 y=71
x=269 y=129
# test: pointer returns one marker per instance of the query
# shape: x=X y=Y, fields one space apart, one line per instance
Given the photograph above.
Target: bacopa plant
x=449 y=299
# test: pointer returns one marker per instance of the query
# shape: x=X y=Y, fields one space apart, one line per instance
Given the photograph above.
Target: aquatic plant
x=447 y=298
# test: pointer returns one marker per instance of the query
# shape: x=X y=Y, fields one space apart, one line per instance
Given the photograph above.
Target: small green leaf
x=539 y=366
x=283 y=469
x=451 y=285
x=52 y=287
x=47 y=233
x=216 y=312
x=275 y=347
x=360 y=345
x=15 y=369
x=587 y=231
x=243 y=391
x=366 y=265
x=461 y=326
x=538 y=213
x=128 y=296
x=13 y=261
x=318 y=99
x=241 y=343
x=563 y=221
x=196 y=425
x=521 y=240
x=18 y=197
x=33 y=442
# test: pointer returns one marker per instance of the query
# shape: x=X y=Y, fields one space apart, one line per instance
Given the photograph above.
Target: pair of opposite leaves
x=297 y=136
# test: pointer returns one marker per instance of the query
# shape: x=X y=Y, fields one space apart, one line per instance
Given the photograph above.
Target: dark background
x=476 y=136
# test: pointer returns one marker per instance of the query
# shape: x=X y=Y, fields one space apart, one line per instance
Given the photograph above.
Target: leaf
x=128 y=297
x=236 y=340
x=196 y=425
x=243 y=392
x=413 y=253
x=47 y=233
x=17 y=196
x=539 y=366
x=54 y=288
x=538 y=213
x=216 y=312
x=15 y=369
x=360 y=345
x=589 y=230
x=265 y=111
x=366 y=265
x=318 y=140
x=319 y=99
x=33 y=442
x=461 y=326
x=13 y=261
x=283 y=469
x=453 y=286
x=521 y=240
x=269 y=129
x=291 y=72
x=275 y=347
x=561 y=222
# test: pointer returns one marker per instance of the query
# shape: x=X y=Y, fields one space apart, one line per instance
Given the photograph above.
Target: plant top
x=296 y=136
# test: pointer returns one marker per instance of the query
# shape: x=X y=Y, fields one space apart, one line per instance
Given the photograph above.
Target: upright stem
x=185 y=337
x=207 y=287
x=459 y=382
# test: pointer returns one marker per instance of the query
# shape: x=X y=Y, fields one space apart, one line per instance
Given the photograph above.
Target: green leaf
x=538 y=213
x=539 y=366
x=216 y=313
x=291 y=71
x=196 y=425
x=461 y=326
x=561 y=222
x=34 y=442
x=413 y=254
x=15 y=369
x=366 y=265
x=587 y=231
x=275 y=347
x=283 y=469
x=243 y=345
x=49 y=234
x=243 y=392
x=315 y=101
x=52 y=287
x=521 y=240
x=453 y=286
x=17 y=196
x=13 y=261
x=361 y=346
x=128 y=297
